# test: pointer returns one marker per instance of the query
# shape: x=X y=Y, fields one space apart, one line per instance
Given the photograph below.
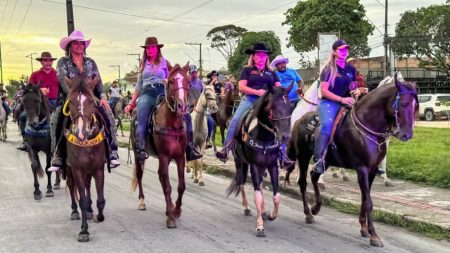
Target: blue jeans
x=112 y=102
x=6 y=107
x=328 y=110
x=211 y=124
x=244 y=105
x=145 y=105
x=52 y=103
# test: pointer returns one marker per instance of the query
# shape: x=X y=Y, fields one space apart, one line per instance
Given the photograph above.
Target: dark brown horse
x=168 y=137
x=359 y=143
x=118 y=111
x=223 y=115
x=86 y=150
x=37 y=132
x=258 y=149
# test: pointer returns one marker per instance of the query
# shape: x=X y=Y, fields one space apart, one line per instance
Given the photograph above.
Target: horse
x=86 y=150
x=37 y=132
x=118 y=112
x=168 y=140
x=259 y=150
x=359 y=143
x=3 y=123
x=223 y=115
x=206 y=104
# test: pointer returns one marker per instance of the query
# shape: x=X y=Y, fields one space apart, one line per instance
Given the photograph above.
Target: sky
x=118 y=29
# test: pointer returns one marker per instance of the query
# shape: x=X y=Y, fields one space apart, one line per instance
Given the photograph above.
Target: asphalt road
x=209 y=222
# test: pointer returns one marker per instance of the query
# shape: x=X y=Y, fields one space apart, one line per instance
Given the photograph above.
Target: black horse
x=359 y=143
x=37 y=132
x=259 y=149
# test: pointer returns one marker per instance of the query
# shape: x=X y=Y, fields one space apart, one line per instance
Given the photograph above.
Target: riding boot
x=57 y=140
x=24 y=145
x=320 y=147
x=222 y=155
x=285 y=162
x=191 y=152
x=141 y=154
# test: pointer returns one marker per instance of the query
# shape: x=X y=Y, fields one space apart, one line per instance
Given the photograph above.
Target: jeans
x=22 y=122
x=211 y=124
x=112 y=102
x=245 y=104
x=6 y=107
x=52 y=103
x=327 y=113
x=145 y=104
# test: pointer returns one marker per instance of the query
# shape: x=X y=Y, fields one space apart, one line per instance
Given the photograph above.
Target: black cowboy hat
x=258 y=47
x=152 y=41
x=209 y=75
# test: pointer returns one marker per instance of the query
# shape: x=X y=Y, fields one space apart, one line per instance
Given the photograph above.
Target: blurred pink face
x=47 y=63
x=260 y=58
x=77 y=47
x=152 y=51
x=341 y=53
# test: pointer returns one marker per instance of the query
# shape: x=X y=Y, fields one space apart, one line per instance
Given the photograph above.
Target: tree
x=239 y=58
x=12 y=87
x=425 y=33
x=310 y=17
x=225 y=39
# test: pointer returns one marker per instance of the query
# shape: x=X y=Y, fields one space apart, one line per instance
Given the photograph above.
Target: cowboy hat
x=258 y=47
x=152 y=41
x=74 y=36
x=45 y=55
x=209 y=75
x=277 y=60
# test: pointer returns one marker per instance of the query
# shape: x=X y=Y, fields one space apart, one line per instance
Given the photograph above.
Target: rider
x=116 y=94
x=4 y=103
x=286 y=76
x=337 y=83
x=75 y=64
x=47 y=80
x=255 y=80
x=153 y=74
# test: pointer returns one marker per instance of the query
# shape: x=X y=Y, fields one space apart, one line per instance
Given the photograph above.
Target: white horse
x=2 y=124
x=206 y=105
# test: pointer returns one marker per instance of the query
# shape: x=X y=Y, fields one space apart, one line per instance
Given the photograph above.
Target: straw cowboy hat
x=277 y=60
x=74 y=36
x=152 y=41
x=258 y=47
x=45 y=55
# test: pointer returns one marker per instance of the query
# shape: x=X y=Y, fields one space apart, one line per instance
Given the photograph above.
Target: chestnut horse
x=359 y=143
x=167 y=140
x=86 y=150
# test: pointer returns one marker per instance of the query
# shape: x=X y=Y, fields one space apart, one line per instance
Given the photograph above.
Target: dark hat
x=209 y=75
x=339 y=44
x=152 y=41
x=45 y=55
x=258 y=47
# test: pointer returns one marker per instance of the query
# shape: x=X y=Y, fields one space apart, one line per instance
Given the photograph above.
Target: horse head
x=35 y=105
x=177 y=89
x=210 y=101
x=81 y=106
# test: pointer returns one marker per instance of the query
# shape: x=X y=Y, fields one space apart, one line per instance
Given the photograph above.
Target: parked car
x=434 y=106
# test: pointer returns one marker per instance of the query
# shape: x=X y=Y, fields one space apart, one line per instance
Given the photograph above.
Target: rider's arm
x=243 y=80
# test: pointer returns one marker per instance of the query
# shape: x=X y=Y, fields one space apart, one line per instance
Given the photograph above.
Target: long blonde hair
x=144 y=59
x=251 y=63
x=330 y=69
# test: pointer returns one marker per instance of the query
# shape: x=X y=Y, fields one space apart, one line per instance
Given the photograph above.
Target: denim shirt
x=152 y=74
x=66 y=68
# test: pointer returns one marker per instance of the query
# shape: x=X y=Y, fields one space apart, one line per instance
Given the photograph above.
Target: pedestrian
x=254 y=81
x=286 y=76
x=360 y=78
x=4 y=103
x=75 y=63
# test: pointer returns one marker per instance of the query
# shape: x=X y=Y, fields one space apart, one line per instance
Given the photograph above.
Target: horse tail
x=40 y=172
x=238 y=180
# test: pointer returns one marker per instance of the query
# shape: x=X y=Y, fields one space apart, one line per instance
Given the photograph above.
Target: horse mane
x=34 y=88
x=261 y=103
x=174 y=69
x=79 y=84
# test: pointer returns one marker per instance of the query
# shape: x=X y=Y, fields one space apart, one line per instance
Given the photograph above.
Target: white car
x=434 y=106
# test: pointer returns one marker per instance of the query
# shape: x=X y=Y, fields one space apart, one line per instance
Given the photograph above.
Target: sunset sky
x=119 y=27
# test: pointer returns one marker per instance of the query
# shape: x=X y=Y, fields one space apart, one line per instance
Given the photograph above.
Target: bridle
x=208 y=97
x=171 y=91
x=272 y=120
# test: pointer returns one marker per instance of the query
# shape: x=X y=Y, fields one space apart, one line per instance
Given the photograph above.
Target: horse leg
x=163 y=172
x=195 y=171
x=302 y=182
x=213 y=136
x=49 y=192
x=273 y=172
x=139 y=169
x=89 y=210
x=57 y=184
x=181 y=187
x=80 y=181
x=99 y=185
x=200 y=170
x=37 y=171
x=314 y=179
x=321 y=182
x=222 y=133
x=365 y=180
x=75 y=215
x=259 y=200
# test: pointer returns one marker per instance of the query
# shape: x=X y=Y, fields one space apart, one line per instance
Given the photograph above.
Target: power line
x=10 y=17
x=4 y=10
x=380 y=3
x=26 y=13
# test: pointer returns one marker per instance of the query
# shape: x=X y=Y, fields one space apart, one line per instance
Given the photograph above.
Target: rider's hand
x=260 y=92
x=44 y=91
x=105 y=104
x=129 y=107
x=355 y=93
x=347 y=101
x=300 y=92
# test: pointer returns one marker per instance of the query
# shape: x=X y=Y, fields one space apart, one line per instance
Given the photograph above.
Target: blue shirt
x=286 y=78
x=152 y=74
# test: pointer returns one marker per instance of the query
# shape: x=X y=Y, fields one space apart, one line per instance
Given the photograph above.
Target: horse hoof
x=83 y=237
x=188 y=170
x=260 y=232
x=265 y=216
x=272 y=217
x=345 y=178
x=376 y=243
x=56 y=187
x=247 y=212
x=89 y=215
x=49 y=194
x=195 y=181
x=309 y=219
x=364 y=233
x=321 y=186
x=75 y=216
x=388 y=183
x=142 y=207
x=315 y=210
x=281 y=178
x=335 y=175
x=201 y=183
x=38 y=196
x=171 y=224
x=99 y=218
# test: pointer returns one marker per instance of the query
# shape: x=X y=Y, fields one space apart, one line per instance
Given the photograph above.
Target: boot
x=320 y=147
x=285 y=162
x=222 y=155
x=23 y=146
x=142 y=154
x=191 y=152
x=56 y=162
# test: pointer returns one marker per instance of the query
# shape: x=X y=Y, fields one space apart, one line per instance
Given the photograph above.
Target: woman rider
x=337 y=83
x=150 y=84
x=254 y=81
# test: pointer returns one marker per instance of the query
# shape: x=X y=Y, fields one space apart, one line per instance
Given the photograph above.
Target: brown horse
x=359 y=143
x=118 y=112
x=222 y=117
x=86 y=150
x=168 y=141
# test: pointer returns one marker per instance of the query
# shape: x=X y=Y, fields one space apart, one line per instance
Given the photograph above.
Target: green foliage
x=225 y=39
x=310 y=17
x=425 y=33
x=239 y=58
x=12 y=87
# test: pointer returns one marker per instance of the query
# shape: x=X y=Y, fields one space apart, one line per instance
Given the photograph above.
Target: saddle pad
x=39 y=131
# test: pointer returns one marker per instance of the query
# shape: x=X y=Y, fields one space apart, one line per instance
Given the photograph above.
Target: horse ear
x=92 y=82
x=68 y=82
x=289 y=88
x=186 y=67
x=268 y=101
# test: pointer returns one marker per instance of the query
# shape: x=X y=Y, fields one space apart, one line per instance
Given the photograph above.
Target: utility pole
x=70 y=21
x=117 y=67
x=385 y=40
x=198 y=44
x=1 y=64
x=138 y=57
x=31 y=60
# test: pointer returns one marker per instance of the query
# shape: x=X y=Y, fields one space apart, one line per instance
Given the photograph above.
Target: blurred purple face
x=341 y=53
x=260 y=58
x=152 y=51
